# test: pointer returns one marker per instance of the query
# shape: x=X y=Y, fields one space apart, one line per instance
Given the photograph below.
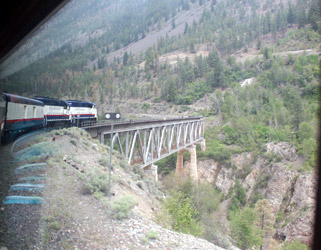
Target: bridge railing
x=133 y=121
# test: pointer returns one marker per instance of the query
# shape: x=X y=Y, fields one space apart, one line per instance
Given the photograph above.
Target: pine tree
x=243 y=229
x=265 y=221
x=125 y=58
x=173 y=23
x=186 y=28
x=315 y=14
x=291 y=16
x=301 y=18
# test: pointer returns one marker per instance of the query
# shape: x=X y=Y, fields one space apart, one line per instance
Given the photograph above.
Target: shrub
x=213 y=233
x=243 y=229
x=96 y=180
x=146 y=106
x=262 y=181
x=152 y=235
x=54 y=225
x=73 y=141
x=272 y=157
x=183 y=214
x=120 y=209
x=239 y=198
x=294 y=245
x=104 y=162
x=205 y=199
x=123 y=164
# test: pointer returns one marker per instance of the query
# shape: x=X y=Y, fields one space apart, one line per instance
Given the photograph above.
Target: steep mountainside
x=277 y=177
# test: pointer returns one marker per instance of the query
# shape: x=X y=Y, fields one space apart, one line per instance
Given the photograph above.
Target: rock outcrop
x=286 y=150
x=279 y=185
x=277 y=178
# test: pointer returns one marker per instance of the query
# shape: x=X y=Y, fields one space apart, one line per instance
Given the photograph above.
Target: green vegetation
x=239 y=197
x=280 y=106
x=243 y=229
x=94 y=181
x=193 y=208
x=121 y=208
x=294 y=245
x=265 y=221
x=54 y=226
x=183 y=215
x=73 y=141
x=151 y=235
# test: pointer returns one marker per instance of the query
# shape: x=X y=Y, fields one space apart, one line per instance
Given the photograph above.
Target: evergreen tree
x=186 y=28
x=265 y=221
x=125 y=58
x=301 y=18
x=173 y=23
x=291 y=17
x=244 y=230
x=314 y=15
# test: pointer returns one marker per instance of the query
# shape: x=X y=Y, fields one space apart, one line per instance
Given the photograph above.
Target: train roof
x=22 y=99
x=51 y=101
x=77 y=103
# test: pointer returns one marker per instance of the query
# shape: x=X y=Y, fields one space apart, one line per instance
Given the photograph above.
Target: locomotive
x=82 y=111
x=20 y=114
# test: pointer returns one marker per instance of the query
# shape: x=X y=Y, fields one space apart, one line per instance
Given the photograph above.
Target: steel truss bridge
x=145 y=142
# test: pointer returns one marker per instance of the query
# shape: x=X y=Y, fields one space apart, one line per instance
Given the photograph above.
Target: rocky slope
x=278 y=177
x=72 y=216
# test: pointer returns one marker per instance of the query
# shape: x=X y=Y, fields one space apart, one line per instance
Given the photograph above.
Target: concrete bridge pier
x=203 y=145
x=192 y=171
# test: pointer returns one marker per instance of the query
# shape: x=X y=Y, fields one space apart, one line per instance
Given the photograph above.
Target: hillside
x=76 y=213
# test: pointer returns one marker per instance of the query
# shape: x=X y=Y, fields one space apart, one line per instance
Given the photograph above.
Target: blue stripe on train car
x=14 y=128
x=24 y=124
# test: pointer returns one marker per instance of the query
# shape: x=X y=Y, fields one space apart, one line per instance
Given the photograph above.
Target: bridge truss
x=145 y=144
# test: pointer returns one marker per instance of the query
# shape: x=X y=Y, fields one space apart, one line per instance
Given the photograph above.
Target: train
x=20 y=114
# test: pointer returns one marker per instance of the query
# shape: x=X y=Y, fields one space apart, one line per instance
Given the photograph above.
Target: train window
x=34 y=111
x=25 y=111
